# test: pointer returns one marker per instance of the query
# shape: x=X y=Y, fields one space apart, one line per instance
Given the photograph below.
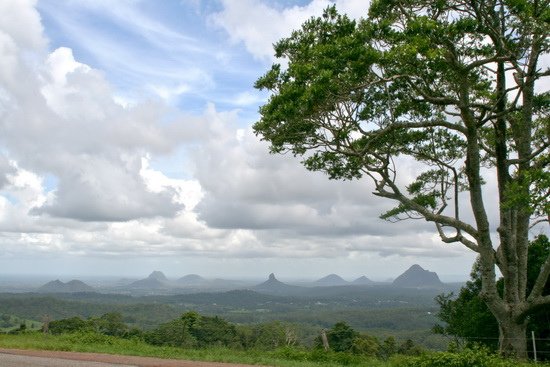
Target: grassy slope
x=110 y=345
x=284 y=357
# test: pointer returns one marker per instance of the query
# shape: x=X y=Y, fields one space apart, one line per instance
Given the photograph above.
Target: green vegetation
x=431 y=82
x=468 y=320
x=198 y=337
x=282 y=356
x=376 y=310
x=10 y=323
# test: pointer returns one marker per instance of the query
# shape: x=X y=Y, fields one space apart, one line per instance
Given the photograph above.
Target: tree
x=340 y=337
x=467 y=317
x=69 y=325
x=454 y=85
x=194 y=330
x=111 y=323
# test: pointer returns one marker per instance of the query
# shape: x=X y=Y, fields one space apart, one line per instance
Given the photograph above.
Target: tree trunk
x=513 y=338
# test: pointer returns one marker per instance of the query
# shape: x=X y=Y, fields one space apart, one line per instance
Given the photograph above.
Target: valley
x=376 y=308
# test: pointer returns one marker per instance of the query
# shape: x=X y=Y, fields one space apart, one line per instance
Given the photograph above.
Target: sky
x=126 y=146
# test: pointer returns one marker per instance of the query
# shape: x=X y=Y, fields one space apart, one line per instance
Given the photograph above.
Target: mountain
x=191 y=280
x=363 y=280
x=155 y=280
x=158 y=275
x=57 y=286
x=273 y=286
x=331 y=280
x=417 y=277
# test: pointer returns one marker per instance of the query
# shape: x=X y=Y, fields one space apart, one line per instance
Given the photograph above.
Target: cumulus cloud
x=291 y=212
x=86 y=172
x=274 y=23
x=60 y=117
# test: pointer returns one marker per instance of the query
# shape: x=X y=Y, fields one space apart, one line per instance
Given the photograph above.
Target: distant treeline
x=409 y=321
x=193 y=330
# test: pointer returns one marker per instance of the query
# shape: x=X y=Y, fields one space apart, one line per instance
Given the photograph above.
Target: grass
x=283 y=357
x=96 y=343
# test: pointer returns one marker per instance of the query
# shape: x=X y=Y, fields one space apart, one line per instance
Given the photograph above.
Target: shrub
x=70 y=325
x=193 y=330
x=478 y=357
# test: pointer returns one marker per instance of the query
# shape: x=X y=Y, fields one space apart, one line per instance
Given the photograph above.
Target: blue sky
x=126 y=147
x=168 y=49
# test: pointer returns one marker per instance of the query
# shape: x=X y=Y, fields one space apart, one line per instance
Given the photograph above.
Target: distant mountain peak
x=362 y=280
x=192 y=277
x=155 y=280
x=417 y=277
x=57 y=286
x=274 y=286
x=158 y=275
x=332 y=279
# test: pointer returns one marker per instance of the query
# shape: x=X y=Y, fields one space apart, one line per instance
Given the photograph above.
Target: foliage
x=428 y=80
x=70 y=325
x=268 y=336
x=468 y=318
x=110 y=324
x=143 y=314
x=282 y=357
x=11 y=323
x=93 y=342
x=342 y=338
x=467 y=358
x=194 y=330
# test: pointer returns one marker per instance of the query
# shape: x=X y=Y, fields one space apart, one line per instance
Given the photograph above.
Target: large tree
x=457 y=86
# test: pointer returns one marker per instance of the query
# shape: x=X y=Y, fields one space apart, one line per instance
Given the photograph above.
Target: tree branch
x=456 y=238
x=428 y=215
x=541 y=281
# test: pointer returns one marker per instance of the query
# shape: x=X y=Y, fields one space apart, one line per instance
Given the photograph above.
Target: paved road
x=11 y=360
x=45 y=358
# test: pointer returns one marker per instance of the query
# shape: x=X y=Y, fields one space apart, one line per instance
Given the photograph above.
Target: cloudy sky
x=126 y=147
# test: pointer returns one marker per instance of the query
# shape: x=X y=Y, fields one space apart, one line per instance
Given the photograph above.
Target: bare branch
x=541 y=280
x=538 y=221
x=456 y=238
x=428 y=215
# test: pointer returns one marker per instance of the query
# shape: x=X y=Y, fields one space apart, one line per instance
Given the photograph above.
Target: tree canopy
x=457 y=86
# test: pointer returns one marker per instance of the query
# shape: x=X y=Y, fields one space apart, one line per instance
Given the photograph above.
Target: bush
x=193 y=330
x=70 y=325
x=478 y=357
x=292 y=354
x=365 y=345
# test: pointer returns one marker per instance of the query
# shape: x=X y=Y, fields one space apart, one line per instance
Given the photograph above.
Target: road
x=40 y=358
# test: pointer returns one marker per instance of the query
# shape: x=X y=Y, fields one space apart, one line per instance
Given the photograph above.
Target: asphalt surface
x=47 y=358
x=11 y=360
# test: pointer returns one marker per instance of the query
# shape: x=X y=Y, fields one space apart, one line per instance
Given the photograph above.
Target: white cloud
x=62 y=119
x=20 y=20
x=137 y=178
x=259 y=25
